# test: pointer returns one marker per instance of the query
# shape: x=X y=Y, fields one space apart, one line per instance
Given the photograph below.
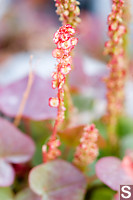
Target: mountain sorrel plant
x=69 y=14
x=68 y=11
x=65 y=42
x=74 y=137
x=116 y=80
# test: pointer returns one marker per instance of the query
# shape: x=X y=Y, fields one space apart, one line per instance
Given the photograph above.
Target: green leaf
x=124 y=126
x=6 y=194
x=40 y=134
x=37 y=158
x=102 y=194
x=126 y=143
x=101 y=127
x=27 y=194
x=40 y=130
x=71 y=136
x=83 y=103
x=56 y=180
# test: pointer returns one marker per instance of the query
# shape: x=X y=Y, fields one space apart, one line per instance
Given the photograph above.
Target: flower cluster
x=115 y=48
x=51 y=151
x=68 y=11
x=87 y=151
x=65 y=42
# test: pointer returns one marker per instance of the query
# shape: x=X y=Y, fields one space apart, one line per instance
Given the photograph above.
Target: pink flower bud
x=54 y=102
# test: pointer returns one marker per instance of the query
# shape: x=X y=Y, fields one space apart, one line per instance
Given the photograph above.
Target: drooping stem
x=65 y=42
x=69 y=12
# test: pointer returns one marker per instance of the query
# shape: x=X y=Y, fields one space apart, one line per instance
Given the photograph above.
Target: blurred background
x=27 y=28
x=29 y=25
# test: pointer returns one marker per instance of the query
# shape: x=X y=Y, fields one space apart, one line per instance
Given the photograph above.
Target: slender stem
x=53 y=137
x=68 y=96
x=25 y=97
x=57 y=118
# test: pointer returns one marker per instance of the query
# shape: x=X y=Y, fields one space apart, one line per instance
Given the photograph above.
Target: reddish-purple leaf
x=6 y=174
x=15 y=147
x=78 y=77
x=6 y=193
x=36 y=107
x=90 y=36
x=56 y=180
x=110 y=171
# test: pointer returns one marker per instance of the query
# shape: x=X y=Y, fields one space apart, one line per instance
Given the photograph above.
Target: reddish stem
x=53 y=137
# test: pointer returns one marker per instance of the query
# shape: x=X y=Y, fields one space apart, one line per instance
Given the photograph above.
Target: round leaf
x=6 y=194
x=36 y=107
x=15 y=146
x=56 y=180
x=27 y=194
x=109 y=170
x=6 y=175
x=102 y=194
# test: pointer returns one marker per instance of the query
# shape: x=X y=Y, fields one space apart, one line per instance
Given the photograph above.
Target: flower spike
x=87 y=151
x=65 y=42
x=115 y=82
x=69 y=12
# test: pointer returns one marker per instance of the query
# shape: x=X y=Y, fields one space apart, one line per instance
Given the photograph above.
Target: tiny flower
x=54 y=75
x=56 y=37
x=64 y=37
x=66 y=69
x=113 y=26
x=67 y=60
x=74 y=41
x=71 y=30
x=67 y=44
x=54 y=84
x=51 y=151
x=54 y=102
x=66 y=12
x=57 y=53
